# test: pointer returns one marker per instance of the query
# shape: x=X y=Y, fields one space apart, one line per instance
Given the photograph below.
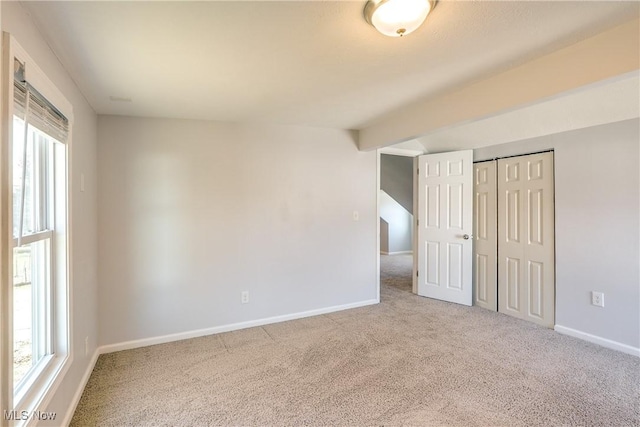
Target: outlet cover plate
x=597 y=299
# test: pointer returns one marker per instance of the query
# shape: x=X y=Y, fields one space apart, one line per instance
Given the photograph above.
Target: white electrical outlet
x=356 y=216
x=86 y=346
x=244 y=297
x=597 y=299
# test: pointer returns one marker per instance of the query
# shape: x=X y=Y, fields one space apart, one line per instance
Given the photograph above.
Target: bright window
x=33 y=208
x=40 y=292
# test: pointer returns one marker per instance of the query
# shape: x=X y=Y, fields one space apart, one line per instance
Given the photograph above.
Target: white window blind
x=41 y=113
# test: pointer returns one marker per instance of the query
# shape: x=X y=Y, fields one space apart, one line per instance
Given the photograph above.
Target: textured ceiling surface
x=312 y=63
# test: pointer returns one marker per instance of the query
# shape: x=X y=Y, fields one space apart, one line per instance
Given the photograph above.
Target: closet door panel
x=526 y=259
x=485 y=250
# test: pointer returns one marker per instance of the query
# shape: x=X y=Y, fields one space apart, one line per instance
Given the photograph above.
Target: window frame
x=43 y=386
x=43 y=310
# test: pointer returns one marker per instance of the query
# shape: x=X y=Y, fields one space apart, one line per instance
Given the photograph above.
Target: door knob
x=465 y=237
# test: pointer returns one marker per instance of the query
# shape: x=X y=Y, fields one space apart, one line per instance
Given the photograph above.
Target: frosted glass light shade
x=396 y=18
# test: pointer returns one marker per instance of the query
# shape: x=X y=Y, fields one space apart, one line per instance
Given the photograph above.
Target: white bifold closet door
x=526 y=269
x=485 y=236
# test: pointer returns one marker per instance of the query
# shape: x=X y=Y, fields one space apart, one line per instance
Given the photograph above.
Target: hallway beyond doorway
x=395 y=272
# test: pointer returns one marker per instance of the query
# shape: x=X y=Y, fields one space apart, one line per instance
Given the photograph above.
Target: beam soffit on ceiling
x=608 y=55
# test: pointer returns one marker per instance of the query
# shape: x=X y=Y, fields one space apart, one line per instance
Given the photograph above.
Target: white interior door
x=485 y=236
x=526 y=269
x=445 y=209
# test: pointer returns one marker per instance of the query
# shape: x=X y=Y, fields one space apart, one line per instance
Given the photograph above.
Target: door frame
x=414 y=238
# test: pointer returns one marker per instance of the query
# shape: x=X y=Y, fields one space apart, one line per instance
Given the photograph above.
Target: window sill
x=40 y=391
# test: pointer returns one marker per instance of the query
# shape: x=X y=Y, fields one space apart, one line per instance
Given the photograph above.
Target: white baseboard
x=614 y=345
x=127 y=345
x=193 y=334
x=83 y=383
x=397 y=253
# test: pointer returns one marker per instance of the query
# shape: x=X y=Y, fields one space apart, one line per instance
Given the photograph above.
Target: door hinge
x=417 y=273
x=418 y=171
x=418 y=221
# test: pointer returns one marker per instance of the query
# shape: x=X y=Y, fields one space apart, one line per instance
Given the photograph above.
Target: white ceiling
x=297 y=62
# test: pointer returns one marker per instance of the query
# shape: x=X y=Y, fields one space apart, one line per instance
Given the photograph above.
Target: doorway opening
x=397 y=223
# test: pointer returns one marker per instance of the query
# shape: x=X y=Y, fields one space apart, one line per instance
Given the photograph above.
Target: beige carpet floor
x=406 y=361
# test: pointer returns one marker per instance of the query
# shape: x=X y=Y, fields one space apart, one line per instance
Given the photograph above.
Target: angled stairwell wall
x=396 y=204
x=396 y=179
x=396 y=226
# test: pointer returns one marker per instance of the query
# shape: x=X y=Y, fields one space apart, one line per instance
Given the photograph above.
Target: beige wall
x=192 y=213
x=399 y=226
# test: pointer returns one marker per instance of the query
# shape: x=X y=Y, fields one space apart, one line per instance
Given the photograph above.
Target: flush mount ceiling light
x=396 y=18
